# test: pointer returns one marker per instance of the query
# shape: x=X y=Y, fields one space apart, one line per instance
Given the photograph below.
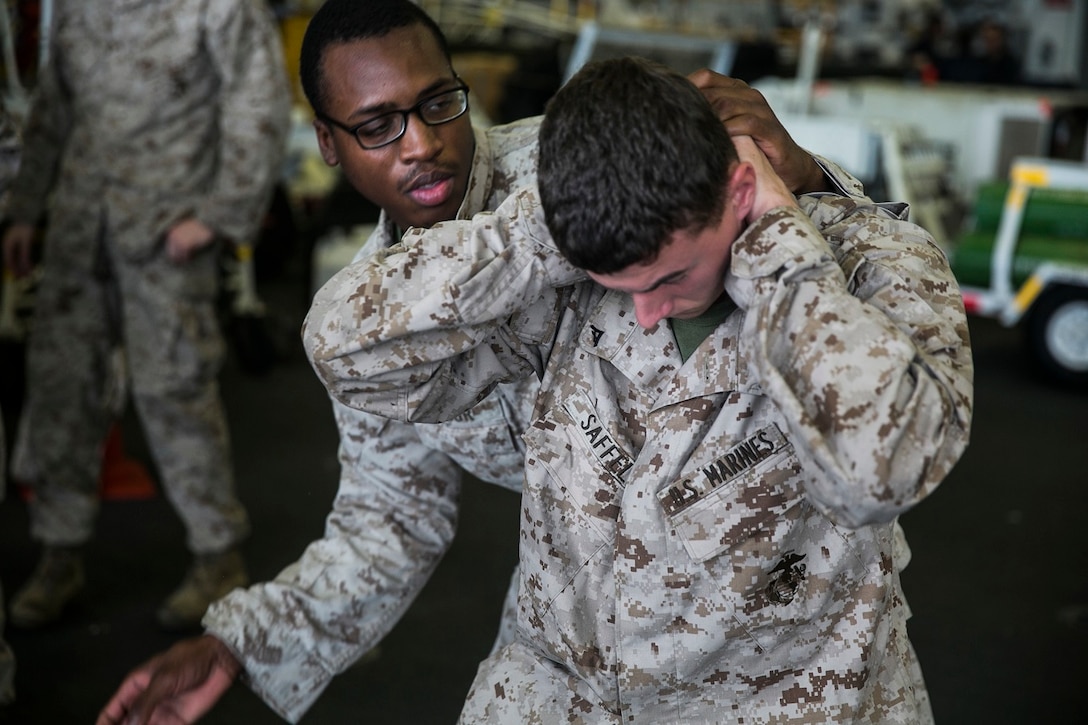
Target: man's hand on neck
x=771 y=191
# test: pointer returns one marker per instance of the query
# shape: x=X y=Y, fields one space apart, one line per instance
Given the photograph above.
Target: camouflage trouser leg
x=66 y=416
x=175 y=351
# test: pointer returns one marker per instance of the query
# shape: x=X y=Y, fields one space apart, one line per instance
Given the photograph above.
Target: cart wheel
x=1058 y=334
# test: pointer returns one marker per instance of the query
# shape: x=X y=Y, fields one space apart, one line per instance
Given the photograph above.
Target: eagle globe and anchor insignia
x=786 y=578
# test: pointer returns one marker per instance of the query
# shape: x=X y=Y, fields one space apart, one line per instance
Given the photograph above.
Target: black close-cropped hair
x=630 y=153
x=343 y=21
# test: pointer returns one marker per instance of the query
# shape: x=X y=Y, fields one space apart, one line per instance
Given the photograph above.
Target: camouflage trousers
x=163 y=317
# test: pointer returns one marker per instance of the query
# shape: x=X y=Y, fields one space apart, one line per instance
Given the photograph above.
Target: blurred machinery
x=1024 y=259
x=860 y=36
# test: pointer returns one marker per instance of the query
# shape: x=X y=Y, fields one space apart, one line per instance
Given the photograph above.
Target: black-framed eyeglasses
x=386 y=128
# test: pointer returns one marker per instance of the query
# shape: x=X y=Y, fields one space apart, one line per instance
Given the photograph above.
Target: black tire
x=1057 y=329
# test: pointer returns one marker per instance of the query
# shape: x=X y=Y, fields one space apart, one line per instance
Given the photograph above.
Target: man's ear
x=325 y=142
x=742 y=190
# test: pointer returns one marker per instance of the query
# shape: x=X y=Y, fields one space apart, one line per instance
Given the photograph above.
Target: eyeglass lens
x=435 y=110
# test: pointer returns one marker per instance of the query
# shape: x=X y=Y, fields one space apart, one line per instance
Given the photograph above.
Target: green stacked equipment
x=1054 y=228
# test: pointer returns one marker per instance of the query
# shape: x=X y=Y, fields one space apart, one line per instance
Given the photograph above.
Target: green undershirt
x=690 y=333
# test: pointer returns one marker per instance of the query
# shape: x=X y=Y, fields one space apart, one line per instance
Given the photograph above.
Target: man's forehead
x=408 y=45
x=642 y=277
x=370 y=72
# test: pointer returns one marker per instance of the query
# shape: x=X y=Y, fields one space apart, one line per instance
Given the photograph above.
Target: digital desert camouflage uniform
x=349 y=588
x=150 y=111
x=709 y=540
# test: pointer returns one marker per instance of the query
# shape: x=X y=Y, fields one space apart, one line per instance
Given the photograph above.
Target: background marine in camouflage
x=156 y=129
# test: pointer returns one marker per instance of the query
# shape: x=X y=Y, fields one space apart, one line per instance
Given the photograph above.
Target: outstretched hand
x=745 y=112
x=178 y=686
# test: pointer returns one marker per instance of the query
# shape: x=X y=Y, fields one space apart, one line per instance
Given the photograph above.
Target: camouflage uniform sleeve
x=48 y=123
x=859 y=335
x=393 y=518
x=254 y=107
x=425 y=329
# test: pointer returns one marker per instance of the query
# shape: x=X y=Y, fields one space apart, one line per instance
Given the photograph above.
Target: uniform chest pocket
x=584 y=457
x=746 y=492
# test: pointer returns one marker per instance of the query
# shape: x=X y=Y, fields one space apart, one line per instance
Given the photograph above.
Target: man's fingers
x=142 y=695
x=706 y=78
x=118 y=708
x=174 y=688
x=747 y=149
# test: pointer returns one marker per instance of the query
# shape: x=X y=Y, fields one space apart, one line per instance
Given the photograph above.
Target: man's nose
x=650 y=308
x=419 y=141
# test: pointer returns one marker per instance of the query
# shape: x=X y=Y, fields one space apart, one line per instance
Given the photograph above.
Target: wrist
x=224 y=657
x=815 y=179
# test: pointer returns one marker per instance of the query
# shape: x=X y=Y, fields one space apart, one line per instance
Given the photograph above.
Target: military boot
x=210 y=577
x=56 y=581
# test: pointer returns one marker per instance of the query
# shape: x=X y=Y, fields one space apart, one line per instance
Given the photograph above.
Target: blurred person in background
x=991 y=58
x=154 y=136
